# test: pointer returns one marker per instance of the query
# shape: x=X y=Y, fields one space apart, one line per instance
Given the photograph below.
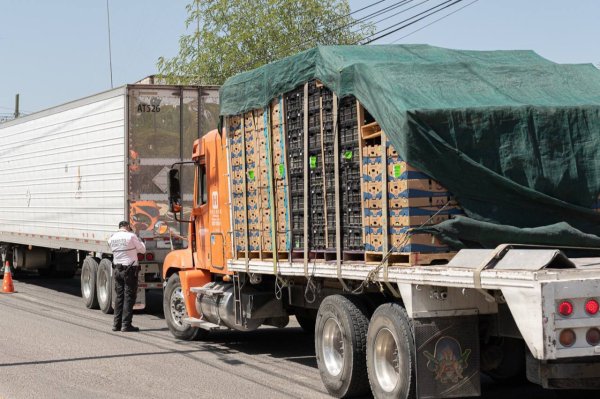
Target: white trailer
x=70 y=173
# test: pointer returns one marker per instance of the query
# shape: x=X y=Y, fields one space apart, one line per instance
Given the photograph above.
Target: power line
x=439 y=19
x=357 y=21
x=359 y=10
x=378 y=33
x=377 y=13
x=373 y=37
x=353 y=22
x=400 y=12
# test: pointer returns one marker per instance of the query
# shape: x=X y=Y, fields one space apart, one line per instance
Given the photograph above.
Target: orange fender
x=192 y=278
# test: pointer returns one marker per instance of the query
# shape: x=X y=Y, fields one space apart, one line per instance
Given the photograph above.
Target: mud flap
x=447 y=357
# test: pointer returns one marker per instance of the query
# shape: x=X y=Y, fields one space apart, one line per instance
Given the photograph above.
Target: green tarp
x=514 y=136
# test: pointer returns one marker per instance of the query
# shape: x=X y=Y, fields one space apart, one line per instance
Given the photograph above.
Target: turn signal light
x=592 y=307
x=567 y=337
x=565 y=308
x=593 y=336
x=149 y=256
x=140 y=257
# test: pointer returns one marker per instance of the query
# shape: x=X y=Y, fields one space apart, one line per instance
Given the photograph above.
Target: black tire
x=89 y=269
x=307 y=320
x=390 y=331
x=505 y=358
x=343 y=370
x=104 y=286
x=173 y=304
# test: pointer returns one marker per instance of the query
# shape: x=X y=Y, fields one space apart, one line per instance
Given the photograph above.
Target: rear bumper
x=570 y=373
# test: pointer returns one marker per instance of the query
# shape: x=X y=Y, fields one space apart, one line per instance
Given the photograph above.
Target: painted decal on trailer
x=448 y=360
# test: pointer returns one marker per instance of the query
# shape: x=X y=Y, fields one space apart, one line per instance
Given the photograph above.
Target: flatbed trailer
x=424 y=331
x=393 y=315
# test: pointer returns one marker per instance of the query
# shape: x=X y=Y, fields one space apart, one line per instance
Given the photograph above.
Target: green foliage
x=233 y=36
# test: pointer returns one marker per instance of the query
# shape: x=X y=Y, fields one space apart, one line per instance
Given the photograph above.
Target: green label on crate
x=251 y=174
x=313 y=162
x=281 y=171
x=397 y=170
x=348 y=155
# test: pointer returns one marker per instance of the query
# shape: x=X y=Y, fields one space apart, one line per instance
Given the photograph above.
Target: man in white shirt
x=125 y=246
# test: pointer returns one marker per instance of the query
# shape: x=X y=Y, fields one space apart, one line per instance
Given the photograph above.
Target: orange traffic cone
x=7 y=282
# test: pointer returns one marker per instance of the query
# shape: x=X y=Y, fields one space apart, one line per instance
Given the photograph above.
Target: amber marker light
x=567 y=337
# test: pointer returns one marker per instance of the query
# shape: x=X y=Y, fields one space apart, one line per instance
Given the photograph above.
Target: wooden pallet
x=251 y=255
x=281 y=255
x=410 y=258
x=353 y=256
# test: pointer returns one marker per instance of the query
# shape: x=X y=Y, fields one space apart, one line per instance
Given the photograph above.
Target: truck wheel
x=175 y=312
x=390 y=353
x=340 y=343
x=104 y=286
x=89 y=269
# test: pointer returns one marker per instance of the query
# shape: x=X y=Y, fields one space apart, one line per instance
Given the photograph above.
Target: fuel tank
x=216 y=303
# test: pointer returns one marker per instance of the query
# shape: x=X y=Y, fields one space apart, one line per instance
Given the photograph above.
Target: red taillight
x=149 y=256
x=567 y=337
x=593 y=336
x=140 y=257
x=592 y=307
x=565 y=308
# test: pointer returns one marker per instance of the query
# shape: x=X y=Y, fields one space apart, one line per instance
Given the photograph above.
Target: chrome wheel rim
x=86 y=277
x=103 y=287
x=333 y=347
x=386 y=360
x=178 y=311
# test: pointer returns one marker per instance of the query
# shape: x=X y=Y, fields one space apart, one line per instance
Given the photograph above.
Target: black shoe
x=130 y=329
x=116 y=328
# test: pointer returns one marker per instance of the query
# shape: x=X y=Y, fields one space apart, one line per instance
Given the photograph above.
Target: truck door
x=201 y=216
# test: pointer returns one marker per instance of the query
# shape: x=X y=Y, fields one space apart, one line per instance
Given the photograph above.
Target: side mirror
x=174 y=191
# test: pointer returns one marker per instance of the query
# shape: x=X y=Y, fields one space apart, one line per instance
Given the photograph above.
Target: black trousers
x=126 y=284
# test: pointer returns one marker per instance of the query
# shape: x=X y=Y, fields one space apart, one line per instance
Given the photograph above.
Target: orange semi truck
x=412 y=320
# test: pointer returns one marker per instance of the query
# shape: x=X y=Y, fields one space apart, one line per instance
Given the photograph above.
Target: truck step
x=206 y=291
x=203 y=324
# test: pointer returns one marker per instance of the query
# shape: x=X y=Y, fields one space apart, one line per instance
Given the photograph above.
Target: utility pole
x=109 y=46
x=17 y=106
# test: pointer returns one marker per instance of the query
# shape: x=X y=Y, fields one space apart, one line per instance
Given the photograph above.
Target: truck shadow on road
x=288 y=344
x=71 y=286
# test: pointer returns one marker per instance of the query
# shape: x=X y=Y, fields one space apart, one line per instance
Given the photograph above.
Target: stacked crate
x=328 y=166
x=350 y=176
x=413 y=200
x=256 y=181
x=372 y=192
x=317 y=238
x=294 y=119
x=236 y=150
x=280 y=176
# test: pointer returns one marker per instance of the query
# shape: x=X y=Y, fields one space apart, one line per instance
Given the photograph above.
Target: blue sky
x=56 y=51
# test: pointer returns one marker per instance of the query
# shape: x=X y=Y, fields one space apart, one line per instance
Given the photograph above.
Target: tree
x=232 y=36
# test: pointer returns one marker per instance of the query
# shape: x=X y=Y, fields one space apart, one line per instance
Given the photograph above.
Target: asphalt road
x=51 y=346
